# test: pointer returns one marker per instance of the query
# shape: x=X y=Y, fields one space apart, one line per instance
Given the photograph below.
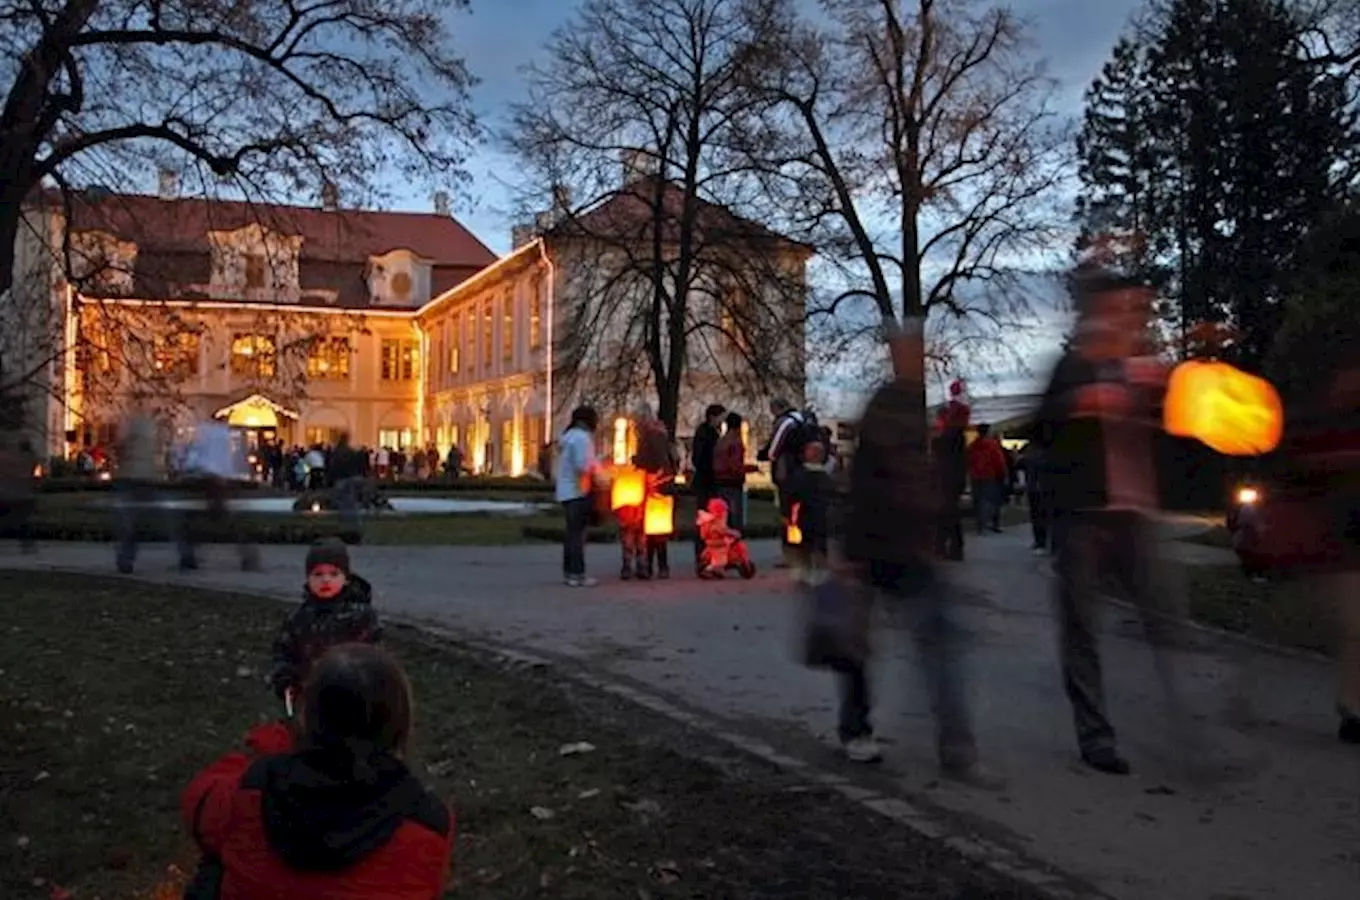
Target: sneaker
x=1108 y=761
x=580 y=581
x=626 y=573
x=862 y=750
x=663 y=573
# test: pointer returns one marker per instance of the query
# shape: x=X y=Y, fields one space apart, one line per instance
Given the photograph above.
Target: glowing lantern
x=792 y=533
x=629 y=488
x=659 y=516
x=1225 y=408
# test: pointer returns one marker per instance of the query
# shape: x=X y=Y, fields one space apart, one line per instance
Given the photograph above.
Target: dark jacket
x=812 y=489
x=894 y=490
x=729 y=461
x=1076 y=446
x=283 y=822
x=701 y=455
x=317 y=625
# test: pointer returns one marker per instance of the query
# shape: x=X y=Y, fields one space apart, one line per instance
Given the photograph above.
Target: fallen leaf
x=586 y=795
x=22 y=841
x=666 y=872
x=576 y=749
x=42 y=776
x=542 y=813
x=243 y=672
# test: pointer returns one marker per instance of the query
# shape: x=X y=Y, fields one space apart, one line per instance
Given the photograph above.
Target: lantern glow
x=1223 y=407
x=659 y=516
x=629 y=488
x=792 y=533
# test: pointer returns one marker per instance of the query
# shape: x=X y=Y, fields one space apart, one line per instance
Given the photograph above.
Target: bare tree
x=261 y=97
x=925 y=150
x=631 y=126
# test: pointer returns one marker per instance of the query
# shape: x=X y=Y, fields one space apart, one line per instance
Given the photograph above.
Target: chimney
x=330 y=196
x=561 y=199
x=520 y=235
x=637 y=164
x=441 y=204
x=167 y=183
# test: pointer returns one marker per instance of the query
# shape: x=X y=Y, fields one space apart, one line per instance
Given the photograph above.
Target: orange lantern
x=1225 y=408
x=659 y=516
x=792 y=533
x=629 y=488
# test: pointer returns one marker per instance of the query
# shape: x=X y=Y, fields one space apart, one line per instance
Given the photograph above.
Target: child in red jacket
x=337 y=815
x=723 y=546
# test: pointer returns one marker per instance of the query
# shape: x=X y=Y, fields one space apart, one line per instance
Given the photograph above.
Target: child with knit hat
x=337 y=608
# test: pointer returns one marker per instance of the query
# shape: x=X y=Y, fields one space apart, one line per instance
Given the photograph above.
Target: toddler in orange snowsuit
x=723 y=545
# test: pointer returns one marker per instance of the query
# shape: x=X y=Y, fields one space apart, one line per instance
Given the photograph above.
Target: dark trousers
x=918 y=593
x=949 y=531
x=1099 y=551
x=987 y=497
x=1039 y=516
x=735 y=497
x=574 y=541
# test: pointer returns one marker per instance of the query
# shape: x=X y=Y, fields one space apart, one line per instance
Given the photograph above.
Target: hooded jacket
x=285 y=823
x=317 y=625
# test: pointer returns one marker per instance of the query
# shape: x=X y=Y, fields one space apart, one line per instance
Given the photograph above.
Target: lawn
x=1287 y=613
x=112 y=694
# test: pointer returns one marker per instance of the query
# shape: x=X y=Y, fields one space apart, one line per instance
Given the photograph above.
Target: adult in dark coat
x=704 y=483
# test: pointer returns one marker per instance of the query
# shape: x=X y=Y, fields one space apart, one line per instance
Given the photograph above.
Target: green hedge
x=80 y=484
x=256 y=529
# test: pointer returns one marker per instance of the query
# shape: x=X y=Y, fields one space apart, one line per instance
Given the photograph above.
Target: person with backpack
x=784 y=452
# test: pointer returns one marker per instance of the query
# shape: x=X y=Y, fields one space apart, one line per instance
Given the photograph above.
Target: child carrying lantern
x=723 y=545
x=646 y=522
x=809 y=527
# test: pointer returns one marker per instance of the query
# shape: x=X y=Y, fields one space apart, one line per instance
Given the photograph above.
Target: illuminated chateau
x=301 y=323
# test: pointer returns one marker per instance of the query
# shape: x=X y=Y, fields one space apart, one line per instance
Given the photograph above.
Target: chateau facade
x=299 y=324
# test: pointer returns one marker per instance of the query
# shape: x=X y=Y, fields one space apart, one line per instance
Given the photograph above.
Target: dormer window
x=398 y=278
x=254 y=263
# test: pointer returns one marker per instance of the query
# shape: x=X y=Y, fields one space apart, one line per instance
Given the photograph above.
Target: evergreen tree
x=1224 y=148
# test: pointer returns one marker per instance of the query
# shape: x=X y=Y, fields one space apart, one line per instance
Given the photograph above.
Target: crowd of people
x=323 y=465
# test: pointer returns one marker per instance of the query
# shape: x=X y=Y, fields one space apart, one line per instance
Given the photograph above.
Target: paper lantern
x=1225 y=408
x=659 y=516
x=629 y=488
x=792 y=533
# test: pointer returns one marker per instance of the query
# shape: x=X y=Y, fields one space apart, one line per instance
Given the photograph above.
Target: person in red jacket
x=339 y=816
x=989 y=472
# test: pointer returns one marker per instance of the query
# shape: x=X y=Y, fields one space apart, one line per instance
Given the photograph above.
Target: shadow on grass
x=113 y=694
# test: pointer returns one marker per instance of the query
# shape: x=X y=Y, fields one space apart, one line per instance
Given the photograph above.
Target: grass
x=114 y=694
x=1287 y=613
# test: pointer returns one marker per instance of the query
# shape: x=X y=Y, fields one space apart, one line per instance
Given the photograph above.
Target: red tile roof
x=343 y=235
x=628 y=215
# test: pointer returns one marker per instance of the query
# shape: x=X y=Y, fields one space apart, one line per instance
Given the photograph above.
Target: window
x=508 y=331
x=455 y=345
x=256 y=266
x=322 y=435
x=329 y=359
x=395 y=438
x=488 y=326
x=400 y=360
x=621 y=454
x=536 y=314
x=508 y=446
x=176 y=355
x=253 y=355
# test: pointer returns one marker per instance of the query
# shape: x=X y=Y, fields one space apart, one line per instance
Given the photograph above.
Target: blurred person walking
x=1097 y=422
x=989 y=471
x=135 y=485
x=890 y=534
x=215 y=468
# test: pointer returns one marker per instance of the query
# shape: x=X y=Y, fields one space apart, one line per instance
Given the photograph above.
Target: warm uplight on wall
x=421 y=364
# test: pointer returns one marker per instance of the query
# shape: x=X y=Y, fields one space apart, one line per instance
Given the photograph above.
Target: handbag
x=836 y=632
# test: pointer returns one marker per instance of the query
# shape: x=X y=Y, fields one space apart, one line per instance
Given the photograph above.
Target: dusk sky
x=499 y=38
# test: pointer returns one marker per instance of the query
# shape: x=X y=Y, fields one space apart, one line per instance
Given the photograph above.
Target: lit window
x=253 y=355
x=536 y=314
x=508 y=332
x=620 y=441
x=395 y=438
x=456 y=346
x=176 y=356
x=329 y=359
x=488 y=326
x=400 y=360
